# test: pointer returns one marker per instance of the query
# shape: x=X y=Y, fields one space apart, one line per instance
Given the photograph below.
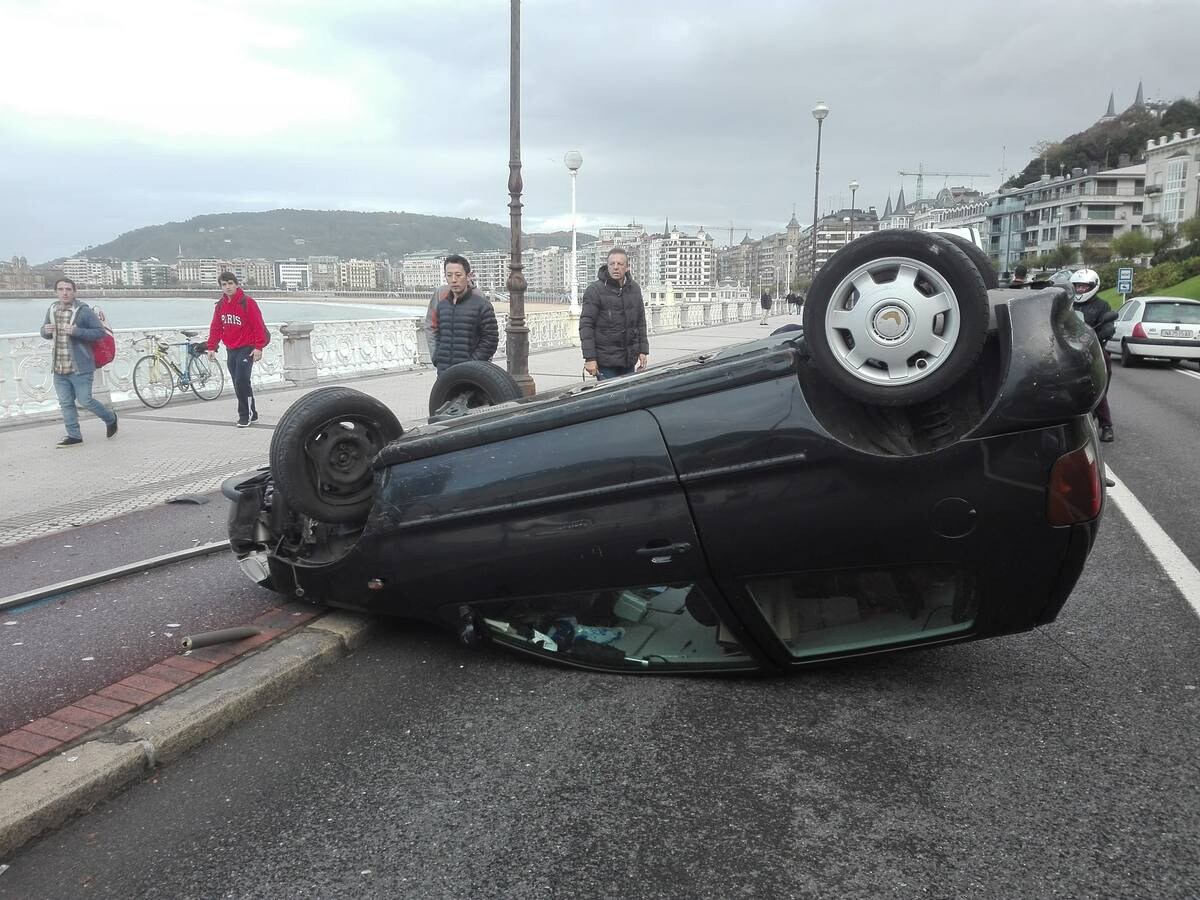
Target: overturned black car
x=916 y=466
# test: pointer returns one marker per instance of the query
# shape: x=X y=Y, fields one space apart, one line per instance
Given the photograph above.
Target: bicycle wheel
x=153 y=381
x=206 y=377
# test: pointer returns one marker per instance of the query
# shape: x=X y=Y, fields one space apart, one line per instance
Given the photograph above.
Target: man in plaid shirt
x=73 y=327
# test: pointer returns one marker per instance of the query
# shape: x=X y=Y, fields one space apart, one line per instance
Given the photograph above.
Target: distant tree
x=1060 y=256
x=1132 y=244
x=1179 y=116
x=1191 y=229
x=1165 y=239
x=1094 y=253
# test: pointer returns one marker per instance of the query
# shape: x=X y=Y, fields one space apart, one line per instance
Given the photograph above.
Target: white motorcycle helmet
x=1084 y=285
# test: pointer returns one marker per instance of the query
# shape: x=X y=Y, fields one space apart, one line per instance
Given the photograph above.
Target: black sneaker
x=242 y=423
x=69 y=441
x=112 y=429
x=1106 y=434
x=254 y=416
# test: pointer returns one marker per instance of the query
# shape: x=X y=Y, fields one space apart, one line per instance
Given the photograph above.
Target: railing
x=307 y=353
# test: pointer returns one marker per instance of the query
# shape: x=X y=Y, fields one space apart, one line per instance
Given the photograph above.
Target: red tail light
x=1139 y=331
x=1075 y=492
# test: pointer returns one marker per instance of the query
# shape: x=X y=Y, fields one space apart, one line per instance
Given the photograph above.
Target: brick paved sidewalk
x=190 y=446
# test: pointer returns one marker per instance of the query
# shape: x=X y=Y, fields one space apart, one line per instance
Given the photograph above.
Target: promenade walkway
x=190 y=446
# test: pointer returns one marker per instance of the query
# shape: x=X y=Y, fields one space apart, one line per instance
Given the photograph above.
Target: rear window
x=1181 y=313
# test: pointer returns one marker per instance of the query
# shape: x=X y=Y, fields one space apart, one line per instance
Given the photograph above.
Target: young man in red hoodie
x=238 y=322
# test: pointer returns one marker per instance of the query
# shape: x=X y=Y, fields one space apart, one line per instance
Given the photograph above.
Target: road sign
x=1124 y=287
x=1125 y=280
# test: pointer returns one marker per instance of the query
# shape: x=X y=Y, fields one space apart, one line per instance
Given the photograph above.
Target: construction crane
x=921 y=173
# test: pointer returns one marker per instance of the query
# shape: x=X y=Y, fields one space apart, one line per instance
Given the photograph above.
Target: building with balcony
x=357 y=275
x=1003 y=230
x=1172 y=180
x=422 y=270
x=1084 y=206
x=200 y=271
x=256 y=273
x=324 y=273
x=834 y=231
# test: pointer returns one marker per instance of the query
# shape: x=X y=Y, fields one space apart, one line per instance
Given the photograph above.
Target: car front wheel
x=323 y=449
x=896 y=317
x=471 y=385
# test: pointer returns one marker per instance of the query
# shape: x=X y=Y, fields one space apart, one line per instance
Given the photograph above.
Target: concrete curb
x=49 y=794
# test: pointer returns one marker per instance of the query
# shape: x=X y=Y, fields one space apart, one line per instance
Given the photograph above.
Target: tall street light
x=517 y=335
x=574 y=160
x=853 y=190
x=820 y=111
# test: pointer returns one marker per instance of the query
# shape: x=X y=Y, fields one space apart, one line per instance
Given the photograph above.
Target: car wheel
x=1128 y=360
x=784 y=329
x=471 y=385
x=896 y=317
x=322 y=451
x=986 y=270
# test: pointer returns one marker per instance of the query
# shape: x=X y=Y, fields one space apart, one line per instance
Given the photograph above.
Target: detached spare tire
x=896 y=317
x=322 y=450
x=987 y=271
x=471 y=385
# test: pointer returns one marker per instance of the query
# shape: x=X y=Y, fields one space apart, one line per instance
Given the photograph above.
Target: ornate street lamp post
x=574 y=160
x=820 y=111
x=517 y=335
x=853 y=191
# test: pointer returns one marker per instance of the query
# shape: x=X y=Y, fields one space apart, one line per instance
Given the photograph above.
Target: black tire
x=206 y=377
x=1128 y=360
x=471 y=385
x=153 y=381
x=922 y=326
x=784 y=329
x=322 y=453
x=983 y=263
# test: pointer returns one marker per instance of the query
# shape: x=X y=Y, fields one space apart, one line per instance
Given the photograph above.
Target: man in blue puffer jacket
x=460 y=322
x=73 y=328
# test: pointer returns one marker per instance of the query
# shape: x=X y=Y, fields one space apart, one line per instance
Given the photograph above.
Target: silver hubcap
x=892 y=321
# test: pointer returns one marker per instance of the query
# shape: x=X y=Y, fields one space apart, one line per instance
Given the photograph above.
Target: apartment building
x=200 y=271
x=324 y=273
x=421 y=270
x=834 y=231
x=357 y=275
x=1172 y=180
x=257 y=273
x=292 y=274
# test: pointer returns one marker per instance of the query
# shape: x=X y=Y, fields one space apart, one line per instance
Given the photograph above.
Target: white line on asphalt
x=1188 y=374
x=1172 y=560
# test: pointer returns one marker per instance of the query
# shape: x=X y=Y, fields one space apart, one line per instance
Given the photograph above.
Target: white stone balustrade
x=308 y=353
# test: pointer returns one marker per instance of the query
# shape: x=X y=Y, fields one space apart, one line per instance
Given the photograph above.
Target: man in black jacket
x=460 y=323
x=612 y=321
x=1099 y=316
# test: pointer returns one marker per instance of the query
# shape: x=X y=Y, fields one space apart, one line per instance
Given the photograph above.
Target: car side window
x=842 y=611
x=638 y=628
x=1128 y=310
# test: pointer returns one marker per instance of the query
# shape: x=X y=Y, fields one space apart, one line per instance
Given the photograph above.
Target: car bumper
x=1167 y=349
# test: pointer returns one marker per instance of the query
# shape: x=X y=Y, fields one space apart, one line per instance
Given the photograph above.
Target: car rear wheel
x=471 y=385
x=784 y=329
x=896 y=317
x=1128 y=360
x=322 y=451
x=986 y=271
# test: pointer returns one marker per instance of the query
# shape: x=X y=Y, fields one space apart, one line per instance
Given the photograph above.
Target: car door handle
x=665 y=552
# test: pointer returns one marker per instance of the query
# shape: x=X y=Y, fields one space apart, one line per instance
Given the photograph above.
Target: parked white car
x=1162 y=327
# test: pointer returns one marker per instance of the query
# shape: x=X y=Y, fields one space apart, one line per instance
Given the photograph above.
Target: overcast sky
x=125 y=113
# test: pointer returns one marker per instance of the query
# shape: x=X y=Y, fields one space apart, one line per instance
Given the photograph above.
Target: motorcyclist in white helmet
x=1085 y=285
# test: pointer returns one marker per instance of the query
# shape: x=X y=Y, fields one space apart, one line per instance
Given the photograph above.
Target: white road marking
x=1188 y=373
x=1172 y=560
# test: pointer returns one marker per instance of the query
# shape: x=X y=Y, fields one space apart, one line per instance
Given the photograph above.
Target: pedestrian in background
x=460 y=322
x=612 y=321
x=238 y=322
x=74 y=327
x=793 y=302
x=1020 y=273
x=765 y=303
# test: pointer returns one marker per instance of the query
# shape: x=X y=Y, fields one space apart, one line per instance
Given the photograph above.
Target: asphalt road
x=1056 y=763
x=66 y=646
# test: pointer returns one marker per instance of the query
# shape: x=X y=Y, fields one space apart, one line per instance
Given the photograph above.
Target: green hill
x=286 y=233
x=1189 y=289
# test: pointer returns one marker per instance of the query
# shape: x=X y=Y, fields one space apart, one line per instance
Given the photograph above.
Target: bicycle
x=156 y=375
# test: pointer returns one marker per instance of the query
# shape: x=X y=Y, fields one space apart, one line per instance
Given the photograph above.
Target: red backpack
x=104 y=350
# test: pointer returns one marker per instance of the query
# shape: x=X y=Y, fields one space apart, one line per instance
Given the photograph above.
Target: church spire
x=887 y=210
x=1139 y=101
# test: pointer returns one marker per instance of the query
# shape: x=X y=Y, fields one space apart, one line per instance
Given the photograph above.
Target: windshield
x=1176 y=313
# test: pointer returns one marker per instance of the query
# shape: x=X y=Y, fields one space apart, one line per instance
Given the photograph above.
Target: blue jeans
x=603 y=372
x=77 y=388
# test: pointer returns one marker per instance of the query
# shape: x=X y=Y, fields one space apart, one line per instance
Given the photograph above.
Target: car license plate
x=1175 y=333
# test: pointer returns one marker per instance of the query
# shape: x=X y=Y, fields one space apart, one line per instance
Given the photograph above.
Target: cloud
x=126 y=113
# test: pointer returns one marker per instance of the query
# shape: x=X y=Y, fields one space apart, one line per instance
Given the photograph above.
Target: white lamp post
x=820 y=111
x=853 y=190
x=573 y=160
